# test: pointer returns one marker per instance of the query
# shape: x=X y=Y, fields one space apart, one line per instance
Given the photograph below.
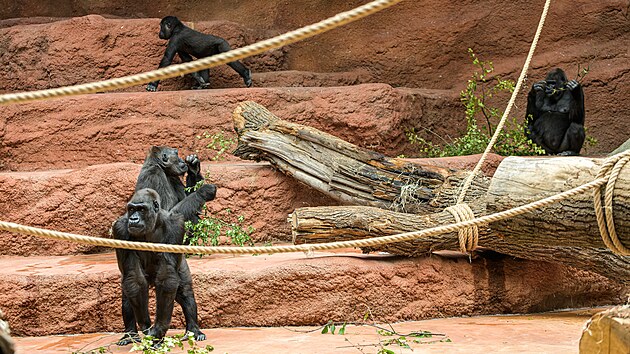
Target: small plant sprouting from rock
x=476 y=98
x=211 y=230
x=218 y=142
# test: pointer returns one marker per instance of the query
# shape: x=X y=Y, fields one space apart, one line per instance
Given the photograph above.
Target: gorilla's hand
x=248 y=78
x=571 y=85
x=207 y=192
x=539 y=86
x=152 y=87
x=201 y=86
x=194 y=165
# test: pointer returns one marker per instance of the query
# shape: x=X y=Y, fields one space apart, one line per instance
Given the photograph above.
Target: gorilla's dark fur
x=162 y=170
x=188 y=43
x=555 y=114
x=156 y=213
x=145 y=220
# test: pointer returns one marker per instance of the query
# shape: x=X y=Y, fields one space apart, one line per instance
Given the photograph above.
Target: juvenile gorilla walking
x=146 y=220
x=555 y=114
x=188 y=43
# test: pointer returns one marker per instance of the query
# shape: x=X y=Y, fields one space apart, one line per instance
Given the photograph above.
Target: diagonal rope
x=519 y=82
x=155 y=247
x=604 y=215
x=205 y=63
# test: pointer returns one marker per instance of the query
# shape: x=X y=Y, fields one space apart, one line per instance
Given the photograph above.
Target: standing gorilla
x=145 y=220
x=162 y=170
x=555 y=114
x=189 y=43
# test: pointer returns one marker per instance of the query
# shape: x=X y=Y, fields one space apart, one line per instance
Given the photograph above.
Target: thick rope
x=154 y=247
x=519 y=83
x=612 y=166
x=468 y=237
x=205 y=63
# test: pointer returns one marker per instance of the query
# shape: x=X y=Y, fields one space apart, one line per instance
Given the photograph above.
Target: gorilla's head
x=555 y=83
x=142 y=212
x=168 y=159
x=168 y=25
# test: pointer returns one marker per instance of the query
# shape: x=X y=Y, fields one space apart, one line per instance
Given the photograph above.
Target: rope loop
x=612 y=167
x=468 y=236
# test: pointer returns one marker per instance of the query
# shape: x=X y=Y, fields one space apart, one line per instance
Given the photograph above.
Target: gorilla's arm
x=534 y=102
x=128 y=264
x=167 y=59
x=576 y=113
x=193 y=176
x=190 y=207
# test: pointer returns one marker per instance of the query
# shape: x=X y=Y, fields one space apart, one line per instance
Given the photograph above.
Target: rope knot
x=611 y=168
x=468 y=236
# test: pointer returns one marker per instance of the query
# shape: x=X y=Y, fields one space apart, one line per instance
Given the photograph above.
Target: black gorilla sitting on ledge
x=146 y=221
x=555 y=114
x=188 y=43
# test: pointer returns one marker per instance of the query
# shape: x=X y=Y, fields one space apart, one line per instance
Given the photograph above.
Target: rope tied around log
x=158 y=247
x=469 y=236
x=612 y=167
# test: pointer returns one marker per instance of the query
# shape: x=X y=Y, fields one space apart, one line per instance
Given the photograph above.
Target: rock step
x=81 y=294
x=120 y=127
x=92 y=48
x=87 y=200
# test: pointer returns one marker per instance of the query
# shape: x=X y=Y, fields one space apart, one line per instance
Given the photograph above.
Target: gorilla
x=555 y=114
x=188 y=43
x=162 y=170
x=146 y=220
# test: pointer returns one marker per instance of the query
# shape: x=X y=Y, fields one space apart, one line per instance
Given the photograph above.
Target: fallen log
x=566 y=232
x=571 y=222
x=348 y=173
x=344 y=223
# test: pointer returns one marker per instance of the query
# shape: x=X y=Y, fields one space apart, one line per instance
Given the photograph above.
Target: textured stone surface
x=92 y=48
x=87 y=201
x=555 y=332
x=429 y=51
x=120 y=127
x=81 y=294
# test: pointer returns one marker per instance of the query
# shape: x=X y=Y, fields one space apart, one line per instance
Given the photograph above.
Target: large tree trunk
x=328 y=224
x=565 y=232
x=572 y=222
x=348 y=173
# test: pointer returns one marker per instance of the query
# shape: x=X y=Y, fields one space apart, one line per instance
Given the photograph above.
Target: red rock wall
x=413 y=44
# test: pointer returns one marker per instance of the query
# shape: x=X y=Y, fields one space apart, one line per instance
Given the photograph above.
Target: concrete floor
x=555 y=332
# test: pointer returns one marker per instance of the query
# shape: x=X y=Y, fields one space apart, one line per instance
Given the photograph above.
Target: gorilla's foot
x=128 y=338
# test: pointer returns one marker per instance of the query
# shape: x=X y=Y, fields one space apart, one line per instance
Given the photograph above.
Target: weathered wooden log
x=572 y=222
x=328 y=224
x=348 y=173
x=566 y=232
